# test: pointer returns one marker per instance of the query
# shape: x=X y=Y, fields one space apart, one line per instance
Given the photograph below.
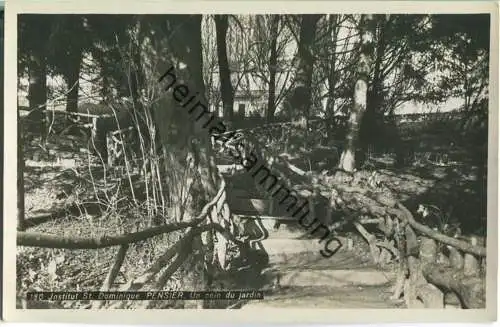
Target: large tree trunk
x=273 y=63
x=375 y=129
x=332 y=77
x=70 y=60
x=300 y=99
x=375 y=96
x=36 y=45
x=190 y=149
x=227 y=93
x=74 y=61
x=37 y=92
x=348 y=157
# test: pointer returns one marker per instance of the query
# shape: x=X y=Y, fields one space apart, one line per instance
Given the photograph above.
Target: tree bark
x=137 y=85
x=191 y=148
x=372 y=124
x=37 y=92
x=273 y=67
x=72 y=63
x=36 y=34
x=300 y=99
x=73 y=78
x=226 y=88
x=348 y=157
x=375 y=96
x=332 y=77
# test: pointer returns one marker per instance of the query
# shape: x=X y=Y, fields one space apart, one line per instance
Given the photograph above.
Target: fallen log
x=472 y=265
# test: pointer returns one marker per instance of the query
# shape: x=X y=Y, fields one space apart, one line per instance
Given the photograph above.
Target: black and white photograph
x=241 y=160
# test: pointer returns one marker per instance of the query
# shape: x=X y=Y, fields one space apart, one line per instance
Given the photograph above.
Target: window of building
x=219 y=109
x=241 y=109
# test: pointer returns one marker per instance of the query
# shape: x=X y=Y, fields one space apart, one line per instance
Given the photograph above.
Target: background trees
x=290 y=66
x=415 y=57
x=299 y=66
x=303 y=66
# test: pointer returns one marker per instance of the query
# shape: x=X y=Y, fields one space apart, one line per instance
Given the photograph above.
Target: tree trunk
x=332 y=78
x=375 y=99
x=348 y=157
x=227 y=93
x=466 y=86
x=190 y=149
x=372 y=123
x=273 y=63
x=300 y=99
x=36 y=47
x=37 y=92
x=74 y=61
x=72 y=38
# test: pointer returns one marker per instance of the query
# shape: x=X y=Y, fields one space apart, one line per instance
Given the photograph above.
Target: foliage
x=461 y=51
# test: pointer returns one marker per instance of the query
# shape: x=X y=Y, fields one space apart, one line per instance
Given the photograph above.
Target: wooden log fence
x=115 y=144
x=172 y=259
x=424 y=272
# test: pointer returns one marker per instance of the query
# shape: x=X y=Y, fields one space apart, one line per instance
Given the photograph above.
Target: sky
x=410 y=107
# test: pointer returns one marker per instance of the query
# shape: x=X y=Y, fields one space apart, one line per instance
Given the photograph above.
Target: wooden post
x=271 y=205
x=410 y=288
x=471 y=264
x=403 y=262
x=456 y=259
x=112 y=274
x=417 y=285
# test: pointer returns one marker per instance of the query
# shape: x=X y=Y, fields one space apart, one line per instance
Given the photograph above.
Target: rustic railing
x=214 y=216
x=426 y=271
